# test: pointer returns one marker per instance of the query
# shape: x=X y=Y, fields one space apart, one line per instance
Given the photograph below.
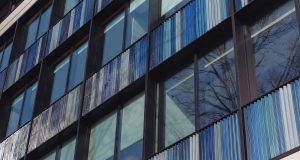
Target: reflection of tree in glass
x=276 y=48
x=217 y=80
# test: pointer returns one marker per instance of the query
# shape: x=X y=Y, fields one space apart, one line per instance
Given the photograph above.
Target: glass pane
x=44 y=22
x=113 y=38
x=276 y=45
x=137 y=23
x=78 y=66
x=31 y=33
x=6 y=56
x=179 y=105
x=167 y=5
x=28 y=104
x=218 y=85
x=60 y=80
x=69 y=4
x=50 y=156
x=68 y=150
x=102 y=139
x=15 y=115
x=132 y=126
x=1 y=56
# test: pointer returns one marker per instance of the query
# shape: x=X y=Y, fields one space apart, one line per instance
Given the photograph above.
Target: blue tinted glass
x=44 y=22
x=113 y=38
x=69 y=4
x=31 y=33
x=78 y=64
x=60 y=80
x=132 y=126
x=28 y=104
x=68 y=150
x=217 y=84
x=6 y=56
x=102 y=139
x=14 y=115
x=276 y=45
x=179 y=101
x=1 y=56
x=137 y=23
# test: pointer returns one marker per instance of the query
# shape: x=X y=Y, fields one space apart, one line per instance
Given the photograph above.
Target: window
x=103 y=134
x=102 y=139
x=70 y=4
x=69 y=72
x=64 y=152
x=217 y=84
x=132 y=127
x=167 y=5
x=113 y=38
x=179 y=103
x=276 y=46
x=136 y=26
x=4 y=56
x=38 y=27
x=21 y=109
x=137 y=21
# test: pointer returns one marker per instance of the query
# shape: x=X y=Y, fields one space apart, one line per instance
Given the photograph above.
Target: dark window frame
x=68 y=54
x=124 y=9
x=23 y=91
x=2 y=49
x=118 y=111
x=35 y=17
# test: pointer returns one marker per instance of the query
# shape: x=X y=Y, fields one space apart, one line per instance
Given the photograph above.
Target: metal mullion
x=238 y=33
x=297 y=5
x=118 y=133
x=22 y=109
x=126 y=10
x=69 y=70
x=196 y=92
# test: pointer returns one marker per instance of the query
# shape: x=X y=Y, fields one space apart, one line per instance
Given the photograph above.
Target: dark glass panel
x=28 y=104
x=179 y=100
x=15 y=115
x=6 y=56
x=78 y=64
x=102 y=139
x=44 y=22
x=137 y=20
x=113 y=38
x=132 y=127
x=60 y=79
x=217 y=84
x=31 y=33
x=277 y=46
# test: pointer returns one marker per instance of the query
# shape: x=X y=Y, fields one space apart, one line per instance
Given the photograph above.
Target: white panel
x=292 y=116
x=285 y=123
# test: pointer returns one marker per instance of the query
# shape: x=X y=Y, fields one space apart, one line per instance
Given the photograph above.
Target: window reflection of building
x=179 y=105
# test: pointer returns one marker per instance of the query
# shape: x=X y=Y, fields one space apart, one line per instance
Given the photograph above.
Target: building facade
x=149 y=79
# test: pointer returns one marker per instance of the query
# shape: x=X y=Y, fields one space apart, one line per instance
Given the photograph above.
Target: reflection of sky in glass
x=217 y=84
x=179 y=103
x=102 y=139
x=276 y=43
x=132 y=126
